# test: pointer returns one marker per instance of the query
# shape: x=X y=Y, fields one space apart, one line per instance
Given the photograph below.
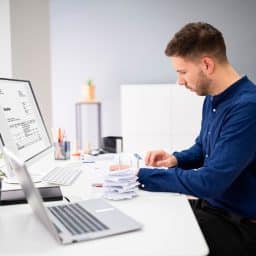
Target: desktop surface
x=169 y=226
x=169 y=229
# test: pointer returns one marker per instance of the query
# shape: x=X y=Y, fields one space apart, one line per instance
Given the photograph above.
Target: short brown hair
x=197 y=39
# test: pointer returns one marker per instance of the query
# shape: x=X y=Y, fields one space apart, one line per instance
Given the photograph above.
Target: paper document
x=120 y=184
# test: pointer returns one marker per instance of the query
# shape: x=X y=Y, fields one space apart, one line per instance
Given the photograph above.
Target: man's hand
x=160 y=158
x=118 y=167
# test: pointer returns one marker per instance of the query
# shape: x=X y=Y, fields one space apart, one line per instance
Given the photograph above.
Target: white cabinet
x=158 y=116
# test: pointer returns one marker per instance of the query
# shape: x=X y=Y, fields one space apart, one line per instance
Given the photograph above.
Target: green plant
x=89 y=82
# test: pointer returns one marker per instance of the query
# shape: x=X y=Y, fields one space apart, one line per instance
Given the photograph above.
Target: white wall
x=159 y=116
x=122 y=42
x=5 y=40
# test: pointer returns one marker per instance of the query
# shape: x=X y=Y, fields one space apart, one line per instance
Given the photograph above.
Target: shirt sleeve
x=192 y=157
x=233 y=152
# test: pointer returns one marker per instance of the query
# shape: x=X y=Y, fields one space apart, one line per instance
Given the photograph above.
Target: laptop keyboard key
x=76 y=219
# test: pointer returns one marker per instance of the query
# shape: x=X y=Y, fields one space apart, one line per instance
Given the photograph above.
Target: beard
x=203 y=84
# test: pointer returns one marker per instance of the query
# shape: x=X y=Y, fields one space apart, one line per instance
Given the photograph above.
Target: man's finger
x=147 y=158
x=151 y=157
x=162 y=163
x=118 y=167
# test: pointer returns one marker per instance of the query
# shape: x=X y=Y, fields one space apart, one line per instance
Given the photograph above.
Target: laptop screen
x=22 y=127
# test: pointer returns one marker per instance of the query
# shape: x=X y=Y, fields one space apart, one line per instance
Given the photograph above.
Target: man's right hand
x=160 y=158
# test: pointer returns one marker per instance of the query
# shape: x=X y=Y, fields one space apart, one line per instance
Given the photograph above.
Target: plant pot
x=89 y=92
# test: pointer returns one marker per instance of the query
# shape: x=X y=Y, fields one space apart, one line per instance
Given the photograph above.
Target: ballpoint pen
x=138 y=157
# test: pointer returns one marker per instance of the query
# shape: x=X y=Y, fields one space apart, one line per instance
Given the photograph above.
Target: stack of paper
x=121 y=185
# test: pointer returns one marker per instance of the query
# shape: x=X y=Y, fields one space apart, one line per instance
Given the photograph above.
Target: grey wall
x=30 y=44
x=120 y=42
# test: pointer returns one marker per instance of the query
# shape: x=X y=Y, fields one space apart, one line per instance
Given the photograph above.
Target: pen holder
x=62 y=150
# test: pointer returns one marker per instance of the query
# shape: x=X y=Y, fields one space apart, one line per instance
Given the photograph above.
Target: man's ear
x=208 y=65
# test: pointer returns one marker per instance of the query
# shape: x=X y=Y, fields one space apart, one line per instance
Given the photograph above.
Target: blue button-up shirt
x=221 y=166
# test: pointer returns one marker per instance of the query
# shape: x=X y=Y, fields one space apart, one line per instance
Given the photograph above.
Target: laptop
x=72 y=222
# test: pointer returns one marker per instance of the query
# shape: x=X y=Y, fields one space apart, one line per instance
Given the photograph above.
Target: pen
x=137 y=156
x=59 y=136
x=65 y=147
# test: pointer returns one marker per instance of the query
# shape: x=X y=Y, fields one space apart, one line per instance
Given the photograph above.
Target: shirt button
x=209 y=133
x=142 y=185
x=206 y=155
x=214 y=110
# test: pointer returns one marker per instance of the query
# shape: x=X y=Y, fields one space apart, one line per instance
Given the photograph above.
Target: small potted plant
x=89 y=91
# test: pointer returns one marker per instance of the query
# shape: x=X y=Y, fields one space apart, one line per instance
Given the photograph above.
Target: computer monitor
x=22 y=128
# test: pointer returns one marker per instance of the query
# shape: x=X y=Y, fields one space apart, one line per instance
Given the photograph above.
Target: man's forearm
x=190 y=158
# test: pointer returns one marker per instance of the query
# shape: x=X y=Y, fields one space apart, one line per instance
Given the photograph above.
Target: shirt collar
x=216 y=100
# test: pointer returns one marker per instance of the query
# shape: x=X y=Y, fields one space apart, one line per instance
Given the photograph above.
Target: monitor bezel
x=42 y=152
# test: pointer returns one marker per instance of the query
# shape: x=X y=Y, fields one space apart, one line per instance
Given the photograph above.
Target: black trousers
x=224 y=234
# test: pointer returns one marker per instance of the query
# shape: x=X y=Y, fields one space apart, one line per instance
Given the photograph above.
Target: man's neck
x=225 y=76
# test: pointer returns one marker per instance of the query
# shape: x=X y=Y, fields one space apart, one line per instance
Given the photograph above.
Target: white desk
x=170 y=227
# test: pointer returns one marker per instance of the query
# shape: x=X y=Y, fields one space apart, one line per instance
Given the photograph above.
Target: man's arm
x=233 y=152
x=192 y=157
x=186 y=159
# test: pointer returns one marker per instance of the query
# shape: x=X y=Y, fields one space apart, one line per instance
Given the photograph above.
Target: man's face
x=191 y=75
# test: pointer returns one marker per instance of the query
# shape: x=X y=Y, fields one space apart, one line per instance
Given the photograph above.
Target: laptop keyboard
x=76 y=219
x=62 y=175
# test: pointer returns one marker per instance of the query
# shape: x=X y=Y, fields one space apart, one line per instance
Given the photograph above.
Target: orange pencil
x=59 y=135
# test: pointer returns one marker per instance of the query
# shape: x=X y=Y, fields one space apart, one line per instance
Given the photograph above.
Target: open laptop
x=22 y=128
x=72 y=222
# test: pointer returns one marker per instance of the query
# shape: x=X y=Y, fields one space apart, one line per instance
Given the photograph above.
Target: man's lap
x=225 y=236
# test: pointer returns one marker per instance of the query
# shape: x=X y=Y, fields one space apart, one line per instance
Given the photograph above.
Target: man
x=220 y=168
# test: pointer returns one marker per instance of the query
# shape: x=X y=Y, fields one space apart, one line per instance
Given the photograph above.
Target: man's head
x=196 y=52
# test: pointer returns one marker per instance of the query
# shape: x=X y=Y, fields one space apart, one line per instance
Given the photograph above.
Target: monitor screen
x=22 y=127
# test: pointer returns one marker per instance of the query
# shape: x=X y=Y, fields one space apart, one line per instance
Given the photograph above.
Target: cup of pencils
x=61 y=146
